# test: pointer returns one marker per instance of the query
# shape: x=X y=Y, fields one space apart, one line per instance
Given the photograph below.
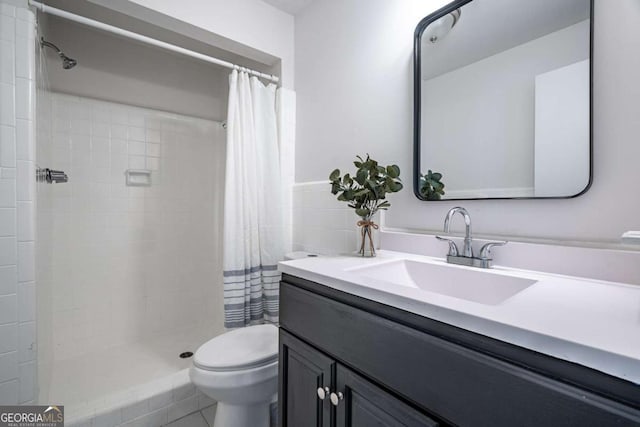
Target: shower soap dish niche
x=138 y=177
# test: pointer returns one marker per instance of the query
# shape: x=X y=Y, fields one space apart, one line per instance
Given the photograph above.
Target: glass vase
x=367 y=247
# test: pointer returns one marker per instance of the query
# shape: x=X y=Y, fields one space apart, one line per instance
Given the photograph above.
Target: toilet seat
x=241 y=349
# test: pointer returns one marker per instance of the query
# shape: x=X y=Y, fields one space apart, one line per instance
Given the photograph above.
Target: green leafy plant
x=430 y=186
x=366 y=191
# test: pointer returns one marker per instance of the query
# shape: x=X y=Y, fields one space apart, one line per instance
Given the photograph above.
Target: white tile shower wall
x=17 y=205
x=322 y=224
x=131 y=262
x=44 y=193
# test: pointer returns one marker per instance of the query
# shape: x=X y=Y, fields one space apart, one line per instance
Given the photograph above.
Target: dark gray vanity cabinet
x=348 y=361
x=309 y=380
x=304 y=370
x=365 y=405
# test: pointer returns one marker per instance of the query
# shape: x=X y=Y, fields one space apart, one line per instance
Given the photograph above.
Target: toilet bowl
x=239 y=370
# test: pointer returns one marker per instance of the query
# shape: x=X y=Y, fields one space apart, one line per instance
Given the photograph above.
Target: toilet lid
x=243 y=348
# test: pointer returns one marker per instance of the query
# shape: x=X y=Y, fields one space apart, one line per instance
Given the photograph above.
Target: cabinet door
x=303 y=370
x=363 y=404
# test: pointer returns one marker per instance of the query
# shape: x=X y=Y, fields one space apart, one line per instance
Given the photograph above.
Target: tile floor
x=202 y=418
x=205 y=418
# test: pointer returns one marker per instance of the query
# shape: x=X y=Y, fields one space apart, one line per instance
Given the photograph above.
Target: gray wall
x=121 y=70
x=354 y=82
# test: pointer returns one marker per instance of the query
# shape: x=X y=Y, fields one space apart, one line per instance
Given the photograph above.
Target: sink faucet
x=467 y=258
x=467 y=250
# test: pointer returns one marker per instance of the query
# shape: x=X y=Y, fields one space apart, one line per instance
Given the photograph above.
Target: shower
x=67 y=63
x=129 y=315
x=124 y=301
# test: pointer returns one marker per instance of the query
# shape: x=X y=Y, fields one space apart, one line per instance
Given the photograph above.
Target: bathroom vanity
x=357 y=350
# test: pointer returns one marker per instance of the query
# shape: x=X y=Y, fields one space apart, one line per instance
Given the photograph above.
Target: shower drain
x=186 y=355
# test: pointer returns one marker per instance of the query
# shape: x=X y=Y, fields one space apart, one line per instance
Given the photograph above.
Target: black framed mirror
x=503 y=100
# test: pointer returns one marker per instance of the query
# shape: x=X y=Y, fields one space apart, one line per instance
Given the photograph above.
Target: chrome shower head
x=67 y=63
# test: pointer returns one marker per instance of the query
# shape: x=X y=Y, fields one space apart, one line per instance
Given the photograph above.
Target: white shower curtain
x=253 y=221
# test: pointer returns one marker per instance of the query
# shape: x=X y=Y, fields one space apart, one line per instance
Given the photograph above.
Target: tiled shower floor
x=121 y=376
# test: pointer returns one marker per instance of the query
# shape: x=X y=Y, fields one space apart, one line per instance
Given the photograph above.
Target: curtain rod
x=148 y=40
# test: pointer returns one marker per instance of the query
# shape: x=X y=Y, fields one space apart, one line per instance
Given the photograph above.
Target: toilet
x=239 y=370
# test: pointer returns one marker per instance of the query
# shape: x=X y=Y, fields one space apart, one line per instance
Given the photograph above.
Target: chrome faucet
x=467 y=250
x=467 y=258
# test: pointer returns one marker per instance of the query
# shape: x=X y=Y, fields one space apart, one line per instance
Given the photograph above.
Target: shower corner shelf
x=138 y=177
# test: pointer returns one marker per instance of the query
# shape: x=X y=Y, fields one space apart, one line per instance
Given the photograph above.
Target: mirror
x=503 y=100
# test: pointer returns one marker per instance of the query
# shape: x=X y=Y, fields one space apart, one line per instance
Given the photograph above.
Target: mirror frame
x=417 y=88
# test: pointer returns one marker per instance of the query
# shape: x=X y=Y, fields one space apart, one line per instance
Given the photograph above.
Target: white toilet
x=239 y=370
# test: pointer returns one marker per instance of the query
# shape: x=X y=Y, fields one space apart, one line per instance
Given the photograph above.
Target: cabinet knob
x=336 y=398
x=322 y=392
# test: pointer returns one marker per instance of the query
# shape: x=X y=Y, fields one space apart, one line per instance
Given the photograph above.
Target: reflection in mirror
x=503 y=107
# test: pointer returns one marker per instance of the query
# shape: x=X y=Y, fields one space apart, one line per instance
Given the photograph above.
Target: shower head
x=67 y=63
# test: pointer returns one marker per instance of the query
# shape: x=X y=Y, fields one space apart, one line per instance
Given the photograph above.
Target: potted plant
x=366 y=193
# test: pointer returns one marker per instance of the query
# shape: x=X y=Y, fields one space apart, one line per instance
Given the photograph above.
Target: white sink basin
x=477 y=285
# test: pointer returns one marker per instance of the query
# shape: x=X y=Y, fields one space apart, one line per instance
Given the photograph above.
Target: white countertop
x=589 y=322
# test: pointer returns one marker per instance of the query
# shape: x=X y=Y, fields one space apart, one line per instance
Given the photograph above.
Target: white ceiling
x=289 y=6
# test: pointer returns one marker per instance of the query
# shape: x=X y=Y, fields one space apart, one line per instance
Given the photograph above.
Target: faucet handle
x=485 y=251
x=453 y=249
